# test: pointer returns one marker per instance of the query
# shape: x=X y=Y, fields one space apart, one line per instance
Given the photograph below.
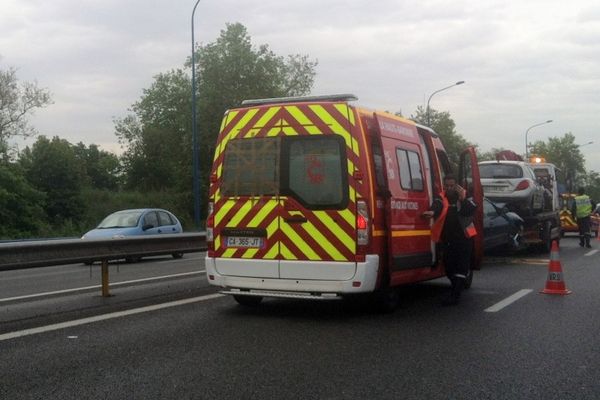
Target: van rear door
x=317 y=225
x=247 y=207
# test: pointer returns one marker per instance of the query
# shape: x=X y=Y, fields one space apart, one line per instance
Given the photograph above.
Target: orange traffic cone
x=555 y=283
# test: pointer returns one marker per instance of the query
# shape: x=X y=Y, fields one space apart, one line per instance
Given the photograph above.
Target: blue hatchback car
x=136 y=222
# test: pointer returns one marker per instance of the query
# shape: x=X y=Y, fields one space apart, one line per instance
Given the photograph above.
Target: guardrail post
x=105 y=291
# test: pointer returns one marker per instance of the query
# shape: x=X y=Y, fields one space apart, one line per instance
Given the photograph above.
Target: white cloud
x=523 y=62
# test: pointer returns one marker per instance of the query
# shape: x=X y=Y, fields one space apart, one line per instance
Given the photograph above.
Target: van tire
x=386 y=300
x=248 y=301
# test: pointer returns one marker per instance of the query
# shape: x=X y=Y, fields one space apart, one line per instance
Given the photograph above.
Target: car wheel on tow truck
x=547 y=237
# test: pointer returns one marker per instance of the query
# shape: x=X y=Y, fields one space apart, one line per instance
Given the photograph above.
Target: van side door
x=409 y=242
x=469 y=179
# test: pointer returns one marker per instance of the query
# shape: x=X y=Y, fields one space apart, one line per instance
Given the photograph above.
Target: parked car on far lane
x=136 y=222
x=502 y=228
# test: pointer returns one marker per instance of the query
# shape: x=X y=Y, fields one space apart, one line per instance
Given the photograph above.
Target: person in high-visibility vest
x=453 y=229
x=582 y=210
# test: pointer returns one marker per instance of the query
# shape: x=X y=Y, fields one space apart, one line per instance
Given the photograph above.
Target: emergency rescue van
x=312 y=197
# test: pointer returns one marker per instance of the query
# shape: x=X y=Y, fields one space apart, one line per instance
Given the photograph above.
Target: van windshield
x=312 y=169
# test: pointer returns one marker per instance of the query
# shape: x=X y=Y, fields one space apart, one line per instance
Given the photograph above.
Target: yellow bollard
x=105 y=291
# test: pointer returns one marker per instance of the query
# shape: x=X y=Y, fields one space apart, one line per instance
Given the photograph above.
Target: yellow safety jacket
x=583 y=206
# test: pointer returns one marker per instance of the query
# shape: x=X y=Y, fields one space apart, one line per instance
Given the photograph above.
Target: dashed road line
x=508 y=301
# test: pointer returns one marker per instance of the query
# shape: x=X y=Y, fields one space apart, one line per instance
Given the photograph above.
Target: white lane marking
x=509 y=300
x=154 y=278
x=591 y=253
x=97 y=318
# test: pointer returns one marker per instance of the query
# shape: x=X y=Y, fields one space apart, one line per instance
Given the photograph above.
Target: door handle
x=296 y=219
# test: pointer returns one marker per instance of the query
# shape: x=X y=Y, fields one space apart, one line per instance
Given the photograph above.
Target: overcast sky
x=524 y=61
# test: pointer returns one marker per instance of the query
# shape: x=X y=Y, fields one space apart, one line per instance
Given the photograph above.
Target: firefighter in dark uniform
x=453 y=229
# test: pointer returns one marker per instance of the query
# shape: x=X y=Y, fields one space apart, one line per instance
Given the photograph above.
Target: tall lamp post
x=437 y=91
x=195 y=161
x=526 y=132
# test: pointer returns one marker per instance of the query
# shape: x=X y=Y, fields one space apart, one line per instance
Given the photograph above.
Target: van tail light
x=362 y=223
x=210 y=224
x=522 y=185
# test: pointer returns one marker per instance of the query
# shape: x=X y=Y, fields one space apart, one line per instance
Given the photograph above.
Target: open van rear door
x=469 y=178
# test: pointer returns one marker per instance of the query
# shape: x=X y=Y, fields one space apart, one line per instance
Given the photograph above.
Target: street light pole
x=526 y=142
x=437 y=91
x=195 y=161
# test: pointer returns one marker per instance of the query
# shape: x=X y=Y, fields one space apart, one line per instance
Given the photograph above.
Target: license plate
x=244 y=242
x=496 y=189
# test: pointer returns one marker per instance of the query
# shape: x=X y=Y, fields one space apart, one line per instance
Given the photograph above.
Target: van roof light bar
x=300 y=99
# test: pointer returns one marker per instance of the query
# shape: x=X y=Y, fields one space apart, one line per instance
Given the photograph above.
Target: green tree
x=101 y=168
x=444 y=125
x=231 y=70
x=21 y=212
x=52 y=167
x=591 y=181
x=157 y=136
x=565 y=154
x=158 y=133
x=18 y=100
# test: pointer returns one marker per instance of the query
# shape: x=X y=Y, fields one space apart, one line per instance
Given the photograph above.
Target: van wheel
x=248 y=301
x=386 y=300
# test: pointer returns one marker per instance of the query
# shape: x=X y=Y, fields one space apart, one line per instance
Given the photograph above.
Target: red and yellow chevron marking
x=327 y=235
x=287 y=120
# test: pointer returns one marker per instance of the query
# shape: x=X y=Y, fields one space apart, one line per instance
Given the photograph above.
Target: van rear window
x=312 y=169
x=251 y=167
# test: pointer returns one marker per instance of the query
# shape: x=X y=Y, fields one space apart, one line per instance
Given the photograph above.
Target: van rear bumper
x=363 y=281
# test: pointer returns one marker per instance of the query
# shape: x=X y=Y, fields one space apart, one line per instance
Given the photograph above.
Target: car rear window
x=312 y=169
x=500 y=171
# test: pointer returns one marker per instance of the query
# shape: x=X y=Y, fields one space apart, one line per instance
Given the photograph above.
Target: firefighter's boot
x=457 y=287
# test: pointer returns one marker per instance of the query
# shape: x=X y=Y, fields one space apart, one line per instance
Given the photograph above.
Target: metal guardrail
x=34 y=254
